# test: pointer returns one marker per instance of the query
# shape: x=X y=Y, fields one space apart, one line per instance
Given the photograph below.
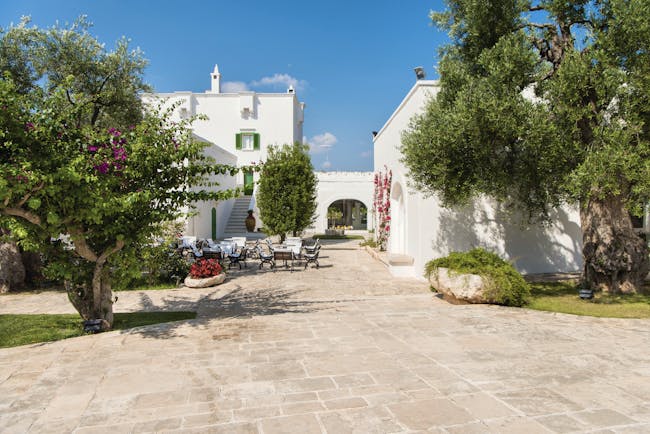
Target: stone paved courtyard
x=345 y=348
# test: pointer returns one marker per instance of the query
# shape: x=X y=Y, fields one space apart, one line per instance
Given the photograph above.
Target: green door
x=248 y=183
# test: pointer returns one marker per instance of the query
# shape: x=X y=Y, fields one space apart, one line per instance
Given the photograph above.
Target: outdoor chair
x=311 y=248
x=312 y=257
x=265 y=258
x=238 y=257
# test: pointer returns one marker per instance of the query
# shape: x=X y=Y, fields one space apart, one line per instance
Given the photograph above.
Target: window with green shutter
x=247 y=141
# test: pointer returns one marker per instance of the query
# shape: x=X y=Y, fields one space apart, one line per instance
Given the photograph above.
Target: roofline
x=418 y=83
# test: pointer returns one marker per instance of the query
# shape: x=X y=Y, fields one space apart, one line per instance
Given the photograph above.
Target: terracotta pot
x=250 y=222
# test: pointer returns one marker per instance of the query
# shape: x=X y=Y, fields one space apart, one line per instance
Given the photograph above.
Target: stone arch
x=334 y=186
x=354 y=212
x=397 y=234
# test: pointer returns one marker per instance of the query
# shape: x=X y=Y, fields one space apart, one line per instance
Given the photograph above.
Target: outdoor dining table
x=284 y=253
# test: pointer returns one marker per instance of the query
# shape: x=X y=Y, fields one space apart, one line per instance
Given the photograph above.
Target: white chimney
x=290 y=90
x=216 y=80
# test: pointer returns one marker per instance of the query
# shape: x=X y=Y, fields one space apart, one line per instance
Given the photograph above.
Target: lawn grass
x=563 y=297
x=18 y=330
x=337 y=237
x=148 y=287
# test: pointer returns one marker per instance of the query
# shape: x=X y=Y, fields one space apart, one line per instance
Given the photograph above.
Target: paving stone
x=344 y=403
x=206 y=419
x=538 y=401
x=603 y=418
x=304 y=423
x=366 y=420
x=350 y=350
x=422 y=415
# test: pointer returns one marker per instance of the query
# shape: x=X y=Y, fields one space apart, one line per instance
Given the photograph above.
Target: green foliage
x=507 y=286
x=148 y=265
x=584 y=135
x=80 y=155
x=369 y=242
x=337 y=237
x=333 y=214
x=286 y=194
x=32 y=329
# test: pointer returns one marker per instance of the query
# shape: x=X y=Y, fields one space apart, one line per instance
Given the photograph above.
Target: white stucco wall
x=200 y=224
x=333 y=186
x=423 y=229
x=277 y=117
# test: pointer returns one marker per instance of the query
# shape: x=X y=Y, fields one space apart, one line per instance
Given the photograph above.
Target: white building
x=240 y=127
x=351 y=192
x=421 y=229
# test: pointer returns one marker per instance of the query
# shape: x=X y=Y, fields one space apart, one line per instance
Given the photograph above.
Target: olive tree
x=544 y=102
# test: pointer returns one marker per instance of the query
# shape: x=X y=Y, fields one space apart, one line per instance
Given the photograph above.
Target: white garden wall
x=422 y=229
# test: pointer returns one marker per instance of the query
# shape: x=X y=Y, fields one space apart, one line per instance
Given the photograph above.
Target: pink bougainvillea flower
x=102 y=168
x=119 y=154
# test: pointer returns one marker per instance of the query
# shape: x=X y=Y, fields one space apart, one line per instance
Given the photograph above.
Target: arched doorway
x=397 y=236
x=348 y=212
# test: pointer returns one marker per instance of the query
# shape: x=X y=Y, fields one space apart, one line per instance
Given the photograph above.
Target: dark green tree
x=544 y=102
x=80 y=156
x=286 y=194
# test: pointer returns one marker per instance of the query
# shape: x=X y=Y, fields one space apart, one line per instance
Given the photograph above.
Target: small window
x=247 y=142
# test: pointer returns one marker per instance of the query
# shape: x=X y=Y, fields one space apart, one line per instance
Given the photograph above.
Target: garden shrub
x=505 y=285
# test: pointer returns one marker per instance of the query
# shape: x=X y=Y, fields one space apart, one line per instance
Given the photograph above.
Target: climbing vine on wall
x=381 y=206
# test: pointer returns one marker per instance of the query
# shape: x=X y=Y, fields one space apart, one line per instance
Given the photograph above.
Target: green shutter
x=214 y=223
x=256 y=142
x=238 y=141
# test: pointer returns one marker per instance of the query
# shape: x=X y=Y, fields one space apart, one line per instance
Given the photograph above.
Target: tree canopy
x=541 y=103
x=286 y=194
x=80 y=156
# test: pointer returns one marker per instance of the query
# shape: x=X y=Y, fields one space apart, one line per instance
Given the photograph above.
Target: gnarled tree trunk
x=94 y=300
x=615 y=256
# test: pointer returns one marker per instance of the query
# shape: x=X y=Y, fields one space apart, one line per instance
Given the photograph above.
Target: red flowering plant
x=205 y=268
x=381 y=206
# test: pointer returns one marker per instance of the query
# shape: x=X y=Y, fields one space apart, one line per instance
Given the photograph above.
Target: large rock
x=12 y=271
x=466 y=287
x=204 y=283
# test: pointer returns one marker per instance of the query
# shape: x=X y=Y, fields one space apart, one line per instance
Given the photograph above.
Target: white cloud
x=234 y=87
x=326 y=165
x=366 y=154
x=280 y=80
x=322 y=142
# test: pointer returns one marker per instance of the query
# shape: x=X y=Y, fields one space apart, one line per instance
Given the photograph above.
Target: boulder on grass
x=12 y=271
x=466 y=287
x=205 y=282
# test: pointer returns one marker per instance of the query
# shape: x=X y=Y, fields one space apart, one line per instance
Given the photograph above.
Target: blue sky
x=351 y=61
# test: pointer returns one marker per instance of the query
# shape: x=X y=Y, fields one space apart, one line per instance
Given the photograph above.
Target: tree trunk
x=94 y=300
x=615 y=257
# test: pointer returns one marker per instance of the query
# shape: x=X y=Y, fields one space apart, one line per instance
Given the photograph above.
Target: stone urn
x=206 y=282
x=466 y=287
x=250 y=221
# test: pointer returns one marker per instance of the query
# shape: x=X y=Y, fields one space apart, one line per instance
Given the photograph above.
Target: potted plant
x=250 y=221
x=204 y=273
